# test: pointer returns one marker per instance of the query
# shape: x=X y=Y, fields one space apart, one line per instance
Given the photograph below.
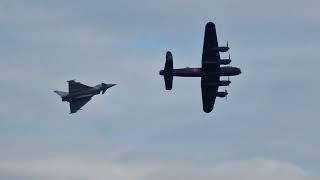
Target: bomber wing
x=209 y=93
x=209 y=85
x=75 y=105
x=208 y=54
x=76 y=86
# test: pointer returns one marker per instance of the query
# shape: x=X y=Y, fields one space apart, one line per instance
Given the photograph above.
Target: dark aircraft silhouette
x=80 y=94
x=210 y=71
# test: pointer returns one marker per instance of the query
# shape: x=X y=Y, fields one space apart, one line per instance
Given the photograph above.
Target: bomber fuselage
x=198 y=72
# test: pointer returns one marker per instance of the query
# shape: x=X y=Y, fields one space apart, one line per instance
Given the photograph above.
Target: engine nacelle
x=222 y=94
x=225 y=61
x=219 y=83
x=220 y=49
x=219 y=62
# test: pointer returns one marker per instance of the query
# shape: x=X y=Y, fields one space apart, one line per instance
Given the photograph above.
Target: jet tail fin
x=168 y=70
x=61 y=93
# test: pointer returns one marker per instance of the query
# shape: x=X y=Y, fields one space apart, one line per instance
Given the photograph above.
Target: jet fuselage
x=87 y=93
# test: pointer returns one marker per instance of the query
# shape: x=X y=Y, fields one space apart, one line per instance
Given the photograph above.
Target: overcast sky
x=268 y=128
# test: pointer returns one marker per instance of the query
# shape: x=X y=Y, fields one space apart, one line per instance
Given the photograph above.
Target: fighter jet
x=210 y=72
x=80 y=94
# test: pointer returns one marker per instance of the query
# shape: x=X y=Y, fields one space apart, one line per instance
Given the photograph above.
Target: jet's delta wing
x=209 y=84
x=76 y=104
x=80 y=94
x=76 y=86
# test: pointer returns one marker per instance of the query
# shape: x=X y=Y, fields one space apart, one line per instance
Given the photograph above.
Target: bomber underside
x=195 y=72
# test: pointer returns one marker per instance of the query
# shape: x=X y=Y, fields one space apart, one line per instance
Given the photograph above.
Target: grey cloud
x=72 y=168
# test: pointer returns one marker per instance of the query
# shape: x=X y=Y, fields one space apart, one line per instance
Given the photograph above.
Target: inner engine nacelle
x=219 y=83
x=220 y=49
x=224 y=83
x=220 y=62
x=225 y=61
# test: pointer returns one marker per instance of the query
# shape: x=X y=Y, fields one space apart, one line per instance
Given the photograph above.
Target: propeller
x=229 y=56
x=227 y=43
x=228 y=78
x=226 y=95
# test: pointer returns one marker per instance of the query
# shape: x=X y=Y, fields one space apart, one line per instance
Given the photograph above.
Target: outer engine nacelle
x=222 y=94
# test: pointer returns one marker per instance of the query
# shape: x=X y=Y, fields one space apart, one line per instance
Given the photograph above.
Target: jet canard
x=210 y=72
x=80 y=94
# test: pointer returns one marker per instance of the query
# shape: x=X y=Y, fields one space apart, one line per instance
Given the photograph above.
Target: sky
x=267 y=129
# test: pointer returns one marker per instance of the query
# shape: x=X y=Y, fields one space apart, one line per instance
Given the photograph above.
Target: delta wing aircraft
x=80 y=94
x=210 y=72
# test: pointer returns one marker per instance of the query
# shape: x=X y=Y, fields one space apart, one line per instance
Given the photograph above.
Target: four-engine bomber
x=210 y=72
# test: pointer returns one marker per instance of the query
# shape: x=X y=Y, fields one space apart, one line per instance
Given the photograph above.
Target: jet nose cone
x=111 y=85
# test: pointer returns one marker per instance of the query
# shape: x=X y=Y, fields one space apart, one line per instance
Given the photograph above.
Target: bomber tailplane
x=168 y=80
x=168 y=71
